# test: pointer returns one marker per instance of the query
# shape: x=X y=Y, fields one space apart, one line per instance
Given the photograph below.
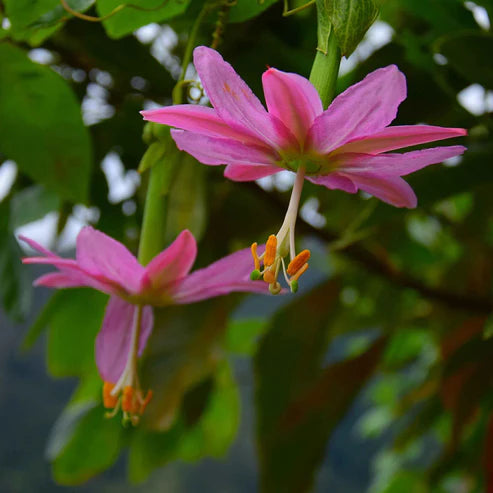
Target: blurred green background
x=375 y=377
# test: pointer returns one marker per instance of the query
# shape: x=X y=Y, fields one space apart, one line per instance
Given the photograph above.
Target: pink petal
x=234 y=101
x=36 y=246
x=399 y=137
x=292 y=99
x=334 y=181
x=101 y=255
x=213 y=151
x=391 y=189
x=396 y=164
x=198 y=119
x=228 y=275
x=363 y=109
x=114 y=339
x=238 y=172
x=61 y=280
x=171 y=264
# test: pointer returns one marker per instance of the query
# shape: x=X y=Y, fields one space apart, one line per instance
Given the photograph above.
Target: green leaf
x=127 y=19
x=470 y=54
x=59 y=14
x=243 y=10
x=350 y=20
x=299 y=402
x=22 y=14
x=41 y=128
x=72 y=331
x=84 y=444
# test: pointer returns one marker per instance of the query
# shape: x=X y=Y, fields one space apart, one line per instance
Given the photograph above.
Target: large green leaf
x=41 y=127
x=129 y=18
x=299 y=402
x=350 y=21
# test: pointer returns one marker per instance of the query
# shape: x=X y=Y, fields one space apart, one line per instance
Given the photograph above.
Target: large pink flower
x=105 y=264
x=344 y=147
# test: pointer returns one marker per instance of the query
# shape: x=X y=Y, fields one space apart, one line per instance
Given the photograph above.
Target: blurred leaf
x=31 y=204
x=59 y=14
x=128 y=19
x=210 y=435
x=41 y=128
x=15 y=290
x=488 y=328
x=22 y=14
x=72 y=331
x=300 y=403
x=243 y=10
x=349 y=19
x=187 y=207
x=184 y=349
x=85 y=443
x=243 y=334
x=406 y=481
x=406 y=345
x=470 y=54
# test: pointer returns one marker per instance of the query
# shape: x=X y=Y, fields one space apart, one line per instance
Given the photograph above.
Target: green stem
x=152 y=235
x=325 y=69
x=155 y=211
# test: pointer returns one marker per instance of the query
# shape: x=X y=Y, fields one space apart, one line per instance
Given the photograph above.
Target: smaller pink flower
x=105 y=264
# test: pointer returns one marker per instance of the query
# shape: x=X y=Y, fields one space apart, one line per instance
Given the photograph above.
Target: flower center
x=279 y=246
x=127 y=393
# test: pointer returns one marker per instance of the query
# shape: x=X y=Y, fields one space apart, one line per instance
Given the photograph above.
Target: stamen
x=270 y=250
x=300 y=272
x=256 y=260
x=109 y=400
x=145 y=402
x=297 y=263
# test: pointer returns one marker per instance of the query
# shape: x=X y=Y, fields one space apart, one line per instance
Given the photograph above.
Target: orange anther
x=109 y=401
x=269 y=276
x=146 y=401
x=128 y=402
x=300 y=272
x=256 y=260
x=297 y=263
x=270 y=250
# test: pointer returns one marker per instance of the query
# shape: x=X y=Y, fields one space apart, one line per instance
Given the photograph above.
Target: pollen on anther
x=300 y=272
x=128 y=400
x=297 y=263
x=270 y=250
x=109 y=401
x=269 y=276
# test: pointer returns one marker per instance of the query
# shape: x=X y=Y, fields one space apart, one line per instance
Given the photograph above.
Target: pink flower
x=345 y=147
x=105 y=264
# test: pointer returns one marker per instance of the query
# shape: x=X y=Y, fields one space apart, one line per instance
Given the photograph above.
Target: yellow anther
x=109 y=401
x=256 y=260
x=297 y=263
x=300 y=272
x=269 y=276
x=270 y=250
